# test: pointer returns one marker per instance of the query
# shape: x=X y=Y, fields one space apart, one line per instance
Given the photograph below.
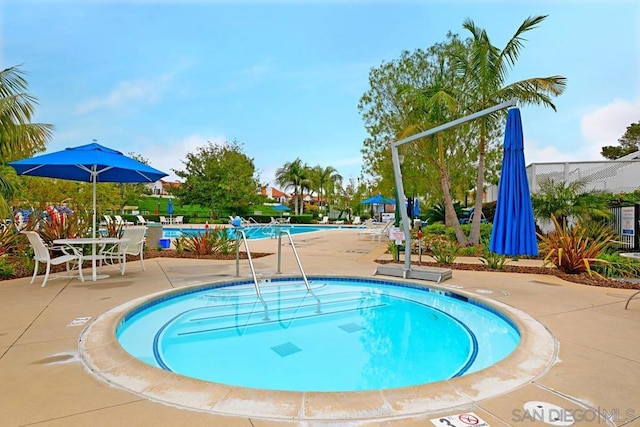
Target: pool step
x=212 y=319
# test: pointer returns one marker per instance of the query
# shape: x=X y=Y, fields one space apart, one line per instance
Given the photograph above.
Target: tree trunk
x=474 y=235
x=451 y=219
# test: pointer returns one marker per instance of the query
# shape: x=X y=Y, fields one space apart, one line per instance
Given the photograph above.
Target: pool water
x=263 y=231
x=345 y=335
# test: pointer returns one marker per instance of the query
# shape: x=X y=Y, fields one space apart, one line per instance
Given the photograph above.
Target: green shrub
x=492 y=259
x=615 y=265
x=6 y=267
x=445 y=252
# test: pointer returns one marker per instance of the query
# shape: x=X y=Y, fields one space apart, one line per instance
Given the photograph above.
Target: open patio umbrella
x=514 y=231
x=88 y=163
x=281 y=208
x=378 y=199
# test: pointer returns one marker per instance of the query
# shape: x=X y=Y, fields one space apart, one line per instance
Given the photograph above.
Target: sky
x=160 y=78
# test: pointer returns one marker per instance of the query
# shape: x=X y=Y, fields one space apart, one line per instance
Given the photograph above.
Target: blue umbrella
x=89 y=163
x=416 y=207
x=378 y=199
x=170 y=210
x=514 y=231
x=281 y=208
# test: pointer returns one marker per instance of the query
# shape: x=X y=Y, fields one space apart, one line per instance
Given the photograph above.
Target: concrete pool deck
x=44 y=382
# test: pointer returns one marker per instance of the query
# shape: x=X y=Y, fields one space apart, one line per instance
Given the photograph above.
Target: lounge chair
x=377 y=232
x=356 y=220
x=325 y=220
x=141 y=220
x=41 y=253
x=107 y=220
x=121 y=221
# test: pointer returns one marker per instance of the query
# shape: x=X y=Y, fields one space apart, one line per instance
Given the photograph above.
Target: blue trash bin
x=165 y=243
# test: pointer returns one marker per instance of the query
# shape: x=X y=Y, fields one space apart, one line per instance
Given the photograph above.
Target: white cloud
x=126 y=92
x=605 y=125
x=599 y=127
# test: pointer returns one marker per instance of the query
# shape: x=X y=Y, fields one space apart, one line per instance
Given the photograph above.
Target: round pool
x=104 y=357
x=337 y=335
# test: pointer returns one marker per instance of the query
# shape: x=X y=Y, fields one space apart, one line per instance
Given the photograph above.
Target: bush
x=211 y=241
x=573 y=249
x=445 y=252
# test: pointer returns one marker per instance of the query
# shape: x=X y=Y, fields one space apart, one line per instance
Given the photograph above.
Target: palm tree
x=485 y=68
x=19 y=138
x=293 y=174
x=325 y=179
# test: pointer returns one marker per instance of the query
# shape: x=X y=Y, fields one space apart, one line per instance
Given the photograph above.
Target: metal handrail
x=253 y=270
x=295 y=253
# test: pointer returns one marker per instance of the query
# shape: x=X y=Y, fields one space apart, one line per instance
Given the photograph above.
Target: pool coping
x=103 y=356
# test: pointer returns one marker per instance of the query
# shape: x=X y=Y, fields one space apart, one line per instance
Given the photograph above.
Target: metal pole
x=398 y=174
x=237 y=253
x=279 y=248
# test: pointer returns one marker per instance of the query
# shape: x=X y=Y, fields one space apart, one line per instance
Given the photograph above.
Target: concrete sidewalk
x=596 y=374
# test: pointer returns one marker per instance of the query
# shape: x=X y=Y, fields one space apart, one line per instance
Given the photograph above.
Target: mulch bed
x=583 y=278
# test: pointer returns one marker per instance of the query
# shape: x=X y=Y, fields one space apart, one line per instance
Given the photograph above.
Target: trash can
x=154 y=234
x=165 y=243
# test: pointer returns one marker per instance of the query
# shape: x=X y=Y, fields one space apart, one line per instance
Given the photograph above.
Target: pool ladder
x=241 y=234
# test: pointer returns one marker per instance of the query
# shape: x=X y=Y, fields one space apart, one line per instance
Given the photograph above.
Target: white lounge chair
x=41 y=253
x=120 y=221
x=325 y=220
x=356 y=220
x=377 y=232
x=141 y=220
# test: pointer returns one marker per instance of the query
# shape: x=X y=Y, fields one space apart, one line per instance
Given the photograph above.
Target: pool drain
x=547 y=413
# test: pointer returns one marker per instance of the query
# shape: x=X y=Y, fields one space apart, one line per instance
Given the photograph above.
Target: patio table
x=94 y=256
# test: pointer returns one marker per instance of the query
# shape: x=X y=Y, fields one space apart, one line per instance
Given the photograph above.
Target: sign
x=396 y=233
x=468 y=419
x=387 y=216
x=628 y=223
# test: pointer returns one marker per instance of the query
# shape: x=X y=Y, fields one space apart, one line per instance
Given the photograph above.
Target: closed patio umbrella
x=514 y=231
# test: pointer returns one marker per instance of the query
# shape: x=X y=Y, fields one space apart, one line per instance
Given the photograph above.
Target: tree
x=294 y=174
x=484 y=69
x=220 y=176
x=413 y=93
x=629 y=143
x=19 y=138
x=325 y=180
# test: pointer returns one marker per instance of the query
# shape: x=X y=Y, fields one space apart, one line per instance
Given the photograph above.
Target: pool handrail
x=240 y=232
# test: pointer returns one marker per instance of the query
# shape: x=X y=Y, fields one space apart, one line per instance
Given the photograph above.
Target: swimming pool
x=345 y=335
x=258 y=231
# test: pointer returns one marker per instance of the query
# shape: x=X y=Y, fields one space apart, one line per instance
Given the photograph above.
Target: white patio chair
x=325 y=220
x=132 y=244
x=141 y=220
x=163 y=220
x=178 y=220
x=42 y=254
x=356 y=220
